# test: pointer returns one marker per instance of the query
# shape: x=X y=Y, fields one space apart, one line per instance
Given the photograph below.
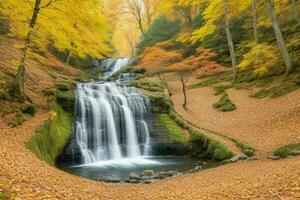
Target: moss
x=225 y=104
x=290 y=149
x=63 y=86
x=20 y=118
x=147 y=85
x=50 y=139
x=246 y=149
x=221 y=89
x=29 y=109
x=2 y=195
x=175 y=133
x=160 y=104
x=4 y=96
x=204 y=147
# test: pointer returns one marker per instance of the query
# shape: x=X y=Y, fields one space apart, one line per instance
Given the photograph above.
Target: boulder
x=148 y=173
x=237 y=157
x=274 y=157
x=133 y=175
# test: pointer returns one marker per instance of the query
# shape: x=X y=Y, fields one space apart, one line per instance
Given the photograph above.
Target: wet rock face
x=71 y=155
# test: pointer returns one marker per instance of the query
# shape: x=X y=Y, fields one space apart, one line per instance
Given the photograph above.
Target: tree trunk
x=295 y=12
x=17 y=86
x=254 y=19
x=69 y=56
x=279 y=38
x=230 y=42
x=184 y=92
x=164 y=82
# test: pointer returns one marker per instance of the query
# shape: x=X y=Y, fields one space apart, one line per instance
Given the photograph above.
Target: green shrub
x=29 y=109
x=19 y=119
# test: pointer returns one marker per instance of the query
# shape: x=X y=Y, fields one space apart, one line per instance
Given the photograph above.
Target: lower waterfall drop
x=112 y=122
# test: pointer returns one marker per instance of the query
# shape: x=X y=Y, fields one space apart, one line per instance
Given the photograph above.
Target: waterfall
x=111 y=122
x=113 y=65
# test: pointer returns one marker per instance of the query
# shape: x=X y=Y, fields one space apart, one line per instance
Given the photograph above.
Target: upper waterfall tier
x=111 y=122
x=113 y=65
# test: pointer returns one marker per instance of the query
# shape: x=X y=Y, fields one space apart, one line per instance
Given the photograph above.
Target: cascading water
x=113 y=65
x=111 y=122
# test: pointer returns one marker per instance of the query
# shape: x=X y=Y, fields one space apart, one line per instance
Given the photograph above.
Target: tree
x=77 y=27
x=229 y=40
x=295 y=11
x=279 y=38
x=17 y=86
x=161 y=29
x=135 y=8
x=187 y=67
x=156 y=61
x=213 y=14
x=254 y=20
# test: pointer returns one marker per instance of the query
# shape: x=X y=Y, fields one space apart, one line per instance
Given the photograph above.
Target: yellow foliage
x=77 y=25
x=261 y=58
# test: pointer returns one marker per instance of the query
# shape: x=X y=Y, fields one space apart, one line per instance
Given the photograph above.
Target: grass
x=50 y=139
x=288 y=150
x=225 y=104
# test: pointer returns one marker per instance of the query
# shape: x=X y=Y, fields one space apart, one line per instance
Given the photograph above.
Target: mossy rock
x=66 y=100
x=160 y=104
x=30 y=109
x=63 y=86
x=288 y=150
x=4 y=96
x=51 y=138
x=49 y=92
x=204 y=147
x=20 y=118
x=225 y=104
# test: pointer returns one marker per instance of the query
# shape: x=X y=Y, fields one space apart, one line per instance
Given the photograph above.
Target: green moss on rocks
x=50 y=139
x=147 y=85
x=4 y=96
x=204 y=147
x=225 y=104
x=288 y=150
x=29 y=109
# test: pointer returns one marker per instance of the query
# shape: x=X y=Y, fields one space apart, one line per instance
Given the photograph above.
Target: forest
x=125 y=93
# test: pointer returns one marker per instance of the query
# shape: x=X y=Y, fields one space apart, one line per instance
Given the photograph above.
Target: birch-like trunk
x=230 y=42
x=17 y=86
x=279 y=38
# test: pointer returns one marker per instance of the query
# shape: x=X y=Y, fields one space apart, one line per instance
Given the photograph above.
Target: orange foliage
x=155 y=59
x=201 y=62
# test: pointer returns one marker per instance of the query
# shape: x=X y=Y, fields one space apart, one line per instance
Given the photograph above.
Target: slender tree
x=254 y=21
x=279 y=38
x=229 y=40
x=135 y=8
x=17 y=86
x=295 y=11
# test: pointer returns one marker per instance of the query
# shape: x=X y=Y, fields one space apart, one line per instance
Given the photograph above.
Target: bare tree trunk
x=295 y=12
x=279 y=38
x=230 y=42
x=17 y=86
x=183 y=83
x=254 y=17
x=164 y=82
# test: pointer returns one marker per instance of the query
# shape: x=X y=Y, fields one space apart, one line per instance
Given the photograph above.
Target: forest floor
x=264 y=124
